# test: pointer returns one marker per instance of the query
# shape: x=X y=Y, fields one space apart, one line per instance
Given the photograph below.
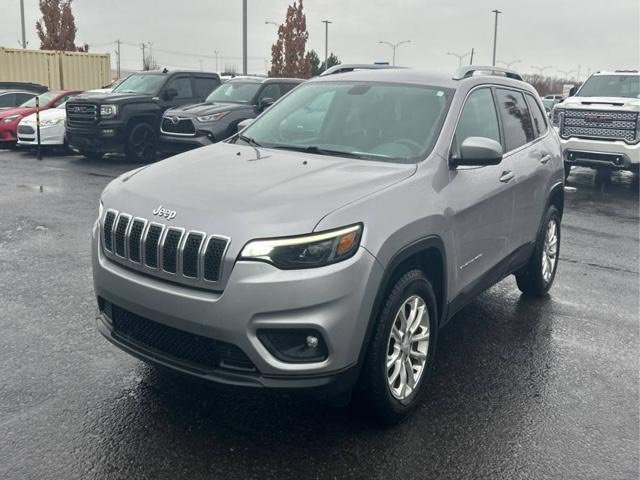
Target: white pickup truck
x=599 y=126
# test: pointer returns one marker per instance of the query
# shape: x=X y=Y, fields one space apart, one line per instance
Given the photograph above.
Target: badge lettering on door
x=165 y=212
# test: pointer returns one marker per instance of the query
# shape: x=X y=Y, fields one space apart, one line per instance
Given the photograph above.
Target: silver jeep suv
x=322 y=248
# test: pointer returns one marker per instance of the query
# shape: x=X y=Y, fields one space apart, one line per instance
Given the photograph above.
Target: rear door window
x=516 y=121
x=204 y=86
x=539 y=118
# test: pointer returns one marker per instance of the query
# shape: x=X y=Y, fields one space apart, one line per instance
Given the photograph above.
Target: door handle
x=507 y=176
x=545 y=159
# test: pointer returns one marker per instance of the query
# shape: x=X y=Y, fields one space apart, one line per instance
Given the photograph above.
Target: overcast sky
x=565 y=34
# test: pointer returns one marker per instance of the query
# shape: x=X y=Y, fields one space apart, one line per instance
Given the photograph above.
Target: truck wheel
x=537 y=277
x=141 y=143
x=401 y=354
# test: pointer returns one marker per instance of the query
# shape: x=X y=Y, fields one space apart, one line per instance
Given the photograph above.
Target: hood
x=200 y=109
x=50 y=114
x=601 y=103
x=16 y=111
x=226 y=189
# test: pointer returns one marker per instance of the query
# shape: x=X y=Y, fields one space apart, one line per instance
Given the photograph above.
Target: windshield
x=389 y=122
x=148 y=84
x=43 y=99
x=234 y=92
x=625 y=86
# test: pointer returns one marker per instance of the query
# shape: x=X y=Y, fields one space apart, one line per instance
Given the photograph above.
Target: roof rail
x=468 y=71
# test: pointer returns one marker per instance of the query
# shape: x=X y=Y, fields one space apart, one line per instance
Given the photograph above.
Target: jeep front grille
x=188 y=257
x=82 y=114
x=599 y=124
x=177 y=126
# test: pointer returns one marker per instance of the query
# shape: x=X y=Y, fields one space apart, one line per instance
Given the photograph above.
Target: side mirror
x=244 y=124
x=170 y=94
x=265 y=103
x=477 y=152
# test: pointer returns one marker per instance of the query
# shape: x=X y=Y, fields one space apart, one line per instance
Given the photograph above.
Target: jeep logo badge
x=164 y=212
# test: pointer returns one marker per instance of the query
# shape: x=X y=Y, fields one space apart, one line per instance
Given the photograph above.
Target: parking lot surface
x=522 y=388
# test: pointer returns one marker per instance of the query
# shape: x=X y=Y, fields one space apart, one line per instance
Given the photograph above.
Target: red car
x=10 y=118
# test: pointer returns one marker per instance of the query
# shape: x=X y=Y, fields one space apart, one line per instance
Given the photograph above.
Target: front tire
x=401 y=353
x=537 y=277
x=141 y=143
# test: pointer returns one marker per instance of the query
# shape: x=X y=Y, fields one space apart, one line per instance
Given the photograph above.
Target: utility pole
x=394 y=47
x=118 y=42
x=216 y=52
x=24 y=36
x=326 y=43
x=244 y=37
x=495 y=35
x=143 y=46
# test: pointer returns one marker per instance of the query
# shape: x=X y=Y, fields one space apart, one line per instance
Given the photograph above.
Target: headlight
x=212 y=118
x=555 y=115
x=307 y=251
x=49 y=123
x=10 y=119
x=108 y=111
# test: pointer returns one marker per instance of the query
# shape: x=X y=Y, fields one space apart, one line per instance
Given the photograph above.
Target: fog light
x=108 y=132
x=294 y=346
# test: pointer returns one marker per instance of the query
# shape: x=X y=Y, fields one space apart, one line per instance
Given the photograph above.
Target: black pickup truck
x=127 y=120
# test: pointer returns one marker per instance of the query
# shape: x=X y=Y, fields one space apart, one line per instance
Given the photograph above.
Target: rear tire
x=409 y=354
x=537 y=277
x=141 y=143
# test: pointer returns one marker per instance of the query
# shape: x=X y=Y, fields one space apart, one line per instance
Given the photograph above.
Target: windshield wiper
x=249 y=140
x=317 y=150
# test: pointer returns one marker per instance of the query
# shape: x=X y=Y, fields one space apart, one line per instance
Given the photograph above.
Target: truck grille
x=196 y=351
x=605 y=125
x=82 y=114
x=178 y=126
x=188 y=257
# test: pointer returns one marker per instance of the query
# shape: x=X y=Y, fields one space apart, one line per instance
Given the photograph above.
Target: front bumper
x=105 y=137
x=178 y=144
x=53 y=135
x=8 y=132
x=335 y=301
x=600 y=154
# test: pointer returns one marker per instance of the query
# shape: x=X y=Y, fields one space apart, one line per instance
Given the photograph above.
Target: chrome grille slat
x=601 y=124
x=189 y=257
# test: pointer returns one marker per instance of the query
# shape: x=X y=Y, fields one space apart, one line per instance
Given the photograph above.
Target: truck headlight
x=555 y=116
x=214 y=117
x=108 y=111
x=306 y=251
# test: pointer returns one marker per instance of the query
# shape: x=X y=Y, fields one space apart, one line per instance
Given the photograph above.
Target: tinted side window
x=478 y=119
x=23 y=97
x=7 y=100
x=516 y=121
x=539 y=118
x=182 y=86
x=204 y=86
x=270 y=91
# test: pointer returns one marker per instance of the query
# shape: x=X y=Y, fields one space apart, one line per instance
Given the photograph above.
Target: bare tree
x=57 y=27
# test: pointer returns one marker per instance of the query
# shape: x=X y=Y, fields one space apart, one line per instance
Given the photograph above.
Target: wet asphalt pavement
x=542 y=389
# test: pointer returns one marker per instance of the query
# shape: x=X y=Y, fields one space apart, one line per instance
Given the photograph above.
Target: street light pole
x=394 y=47
x=244 y=37
x=495 y=35
x=326 y=43
x=24 y=36
x=459 y=56
x=216 y=52
x=540 y=69
x=508 y=64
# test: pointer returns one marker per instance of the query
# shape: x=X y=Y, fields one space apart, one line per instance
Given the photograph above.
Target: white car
x=51 y=128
